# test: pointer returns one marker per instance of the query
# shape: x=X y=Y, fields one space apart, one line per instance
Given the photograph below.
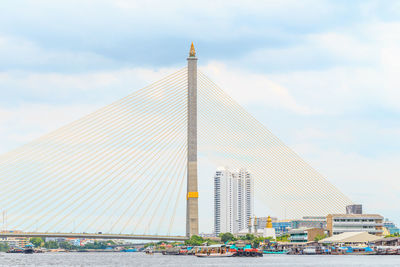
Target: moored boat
x=360 y=250
x=129 y=250
x=213 y=251
x=28 y=249
x=275 y=251
x=15 y=250
x=387 y=250
x=241 y=249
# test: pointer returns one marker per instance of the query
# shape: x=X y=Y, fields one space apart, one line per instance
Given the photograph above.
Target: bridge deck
x=97 y=236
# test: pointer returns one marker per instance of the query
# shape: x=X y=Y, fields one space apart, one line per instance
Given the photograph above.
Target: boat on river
x=15 y=250
x=275 y=251
x=213 y=251
x=360 y=250
x=28 y=249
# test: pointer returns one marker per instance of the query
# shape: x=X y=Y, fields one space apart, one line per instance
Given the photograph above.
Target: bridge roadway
x=96 y=236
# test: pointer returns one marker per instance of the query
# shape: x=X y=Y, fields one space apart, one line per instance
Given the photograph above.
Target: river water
x=141 y=259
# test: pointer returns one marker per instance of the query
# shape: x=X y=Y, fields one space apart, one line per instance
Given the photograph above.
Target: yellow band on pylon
x=193 y=195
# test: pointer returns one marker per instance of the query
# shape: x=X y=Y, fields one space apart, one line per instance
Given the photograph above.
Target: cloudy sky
x=321 y=75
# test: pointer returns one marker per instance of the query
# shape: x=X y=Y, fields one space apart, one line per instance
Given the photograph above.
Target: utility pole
x=192 y=205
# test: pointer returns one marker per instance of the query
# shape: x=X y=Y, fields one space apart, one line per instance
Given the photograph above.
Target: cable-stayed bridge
x=129 y=170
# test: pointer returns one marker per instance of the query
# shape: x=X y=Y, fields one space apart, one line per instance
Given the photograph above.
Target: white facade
x=341 y=223
x=233 y=200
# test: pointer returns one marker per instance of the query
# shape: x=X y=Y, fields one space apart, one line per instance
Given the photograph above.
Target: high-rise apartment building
x=233 y=200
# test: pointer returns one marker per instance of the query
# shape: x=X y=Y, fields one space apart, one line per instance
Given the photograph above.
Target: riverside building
x=233 y=200
x=302 y=235
x=391 y=227
x=341 y=223
x=14 y=242
x=354 y=221
x=309 y=222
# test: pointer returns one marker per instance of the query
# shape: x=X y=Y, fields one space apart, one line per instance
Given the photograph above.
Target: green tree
x=283 y=238
x=194 y=240
x=36 y=241
x=96 y=245
x=247 y=237
x=319 y=237
x=66 y=245
x=225 y=237
x=51 y=245
x=211 y=242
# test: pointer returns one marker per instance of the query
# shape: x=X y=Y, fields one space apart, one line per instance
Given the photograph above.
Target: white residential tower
x=233 y=200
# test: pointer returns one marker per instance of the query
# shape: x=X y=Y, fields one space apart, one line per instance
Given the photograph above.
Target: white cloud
x=17 y=53
x=248 y=88
x=338 y=71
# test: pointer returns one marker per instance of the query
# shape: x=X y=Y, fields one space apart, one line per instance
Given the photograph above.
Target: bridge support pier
x=192 y=209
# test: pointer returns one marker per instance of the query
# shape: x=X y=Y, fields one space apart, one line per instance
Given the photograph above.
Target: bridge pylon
x=192 y=206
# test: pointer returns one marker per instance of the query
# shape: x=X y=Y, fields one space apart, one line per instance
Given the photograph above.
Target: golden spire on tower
x=192 y=51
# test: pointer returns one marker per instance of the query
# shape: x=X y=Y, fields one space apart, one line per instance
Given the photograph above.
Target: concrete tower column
x=192 y=206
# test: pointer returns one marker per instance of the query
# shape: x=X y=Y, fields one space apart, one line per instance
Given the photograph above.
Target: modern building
x=392 y=228
x=244 y=197
x=281 y=226
x=309 y=222
x=341 y=223
x=223 y=206
x=305 y=234
x=233 y=200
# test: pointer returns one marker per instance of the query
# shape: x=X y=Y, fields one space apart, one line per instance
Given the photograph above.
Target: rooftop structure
x=351 y=238
x=354 y=209
x=309 y=222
